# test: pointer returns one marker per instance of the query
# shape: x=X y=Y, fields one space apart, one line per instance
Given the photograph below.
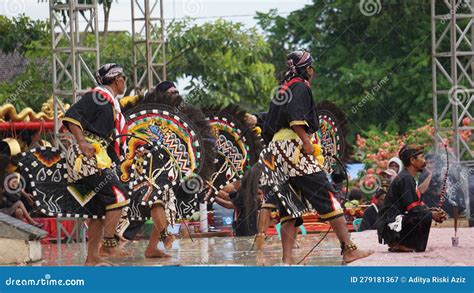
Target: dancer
x=405 y=221
x=292 y=119
x=167 y=87
x=93 y=120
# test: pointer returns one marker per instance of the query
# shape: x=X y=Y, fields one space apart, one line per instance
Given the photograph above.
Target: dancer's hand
x=223 y=195
x=438 y=216
x=87 y=149
x=29 y=198
x=251 y=119
x=225 y=203
x=308 y=148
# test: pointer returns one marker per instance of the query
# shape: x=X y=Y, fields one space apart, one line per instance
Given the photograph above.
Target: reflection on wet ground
x=227 y=251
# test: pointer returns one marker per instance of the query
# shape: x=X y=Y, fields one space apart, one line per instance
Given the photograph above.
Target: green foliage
x=30 y=38
x=377 y=68
x=116 y=49
x=16 y=33
x=225 y=62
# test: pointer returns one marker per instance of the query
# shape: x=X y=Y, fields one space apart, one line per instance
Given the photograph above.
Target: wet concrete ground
x=226 y=251
x=236 y=251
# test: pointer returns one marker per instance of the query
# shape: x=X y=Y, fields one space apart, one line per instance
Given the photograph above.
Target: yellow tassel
x=320 y=160
x=296 y=155
x=257 y=130
x=78 y=163
x=317 y=150
x=103 y=159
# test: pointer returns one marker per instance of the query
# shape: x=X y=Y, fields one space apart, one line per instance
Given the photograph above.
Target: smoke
x=457 y=182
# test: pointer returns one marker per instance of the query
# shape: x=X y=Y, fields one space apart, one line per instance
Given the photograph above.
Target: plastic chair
x=356 y=223
x=278 y=227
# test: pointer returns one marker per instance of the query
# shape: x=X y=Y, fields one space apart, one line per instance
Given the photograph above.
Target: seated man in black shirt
x=405 y=221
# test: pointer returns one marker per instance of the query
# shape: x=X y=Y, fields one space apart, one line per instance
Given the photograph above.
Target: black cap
x=409 y=151
x=164 y=86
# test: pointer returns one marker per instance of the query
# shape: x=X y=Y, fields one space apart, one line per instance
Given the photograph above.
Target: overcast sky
x=202 y=10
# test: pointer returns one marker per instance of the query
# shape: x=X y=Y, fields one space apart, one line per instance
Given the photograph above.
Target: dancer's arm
x=225 y=203
x=84 y=146
x=426 y=183
x=300 y=130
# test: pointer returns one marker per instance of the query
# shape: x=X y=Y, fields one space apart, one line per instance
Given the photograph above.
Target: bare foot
x=98 y=262
x=38 y=225
x=168 y=242
x=114 y=252
x=155 y=253
x=288 y=260
x=352 y=255
x=400 y=248
x=259 y=241
x=122 y=243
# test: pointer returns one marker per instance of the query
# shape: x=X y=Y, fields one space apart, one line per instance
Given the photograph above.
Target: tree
x=16 y=33
x=31 y=39
x=224 y=60
x=377 y=68
x=106 y=6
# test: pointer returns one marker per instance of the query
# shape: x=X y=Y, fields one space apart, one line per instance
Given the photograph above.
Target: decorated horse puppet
x=234 y=141
x=166 y=152
x=237 y=145
x=171 y=183
x=45 y=171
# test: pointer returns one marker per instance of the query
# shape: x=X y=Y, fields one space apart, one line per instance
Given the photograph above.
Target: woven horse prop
x=237 y=145
x=179 y=155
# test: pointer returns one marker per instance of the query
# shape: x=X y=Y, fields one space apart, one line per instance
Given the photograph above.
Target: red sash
x=119 y=121
x=287 y=85
x=416 y=203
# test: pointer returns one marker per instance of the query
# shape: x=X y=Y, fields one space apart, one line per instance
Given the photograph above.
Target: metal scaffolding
x=453 y=74
x=149 y=60
x=70 y=53
x=452 y=28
